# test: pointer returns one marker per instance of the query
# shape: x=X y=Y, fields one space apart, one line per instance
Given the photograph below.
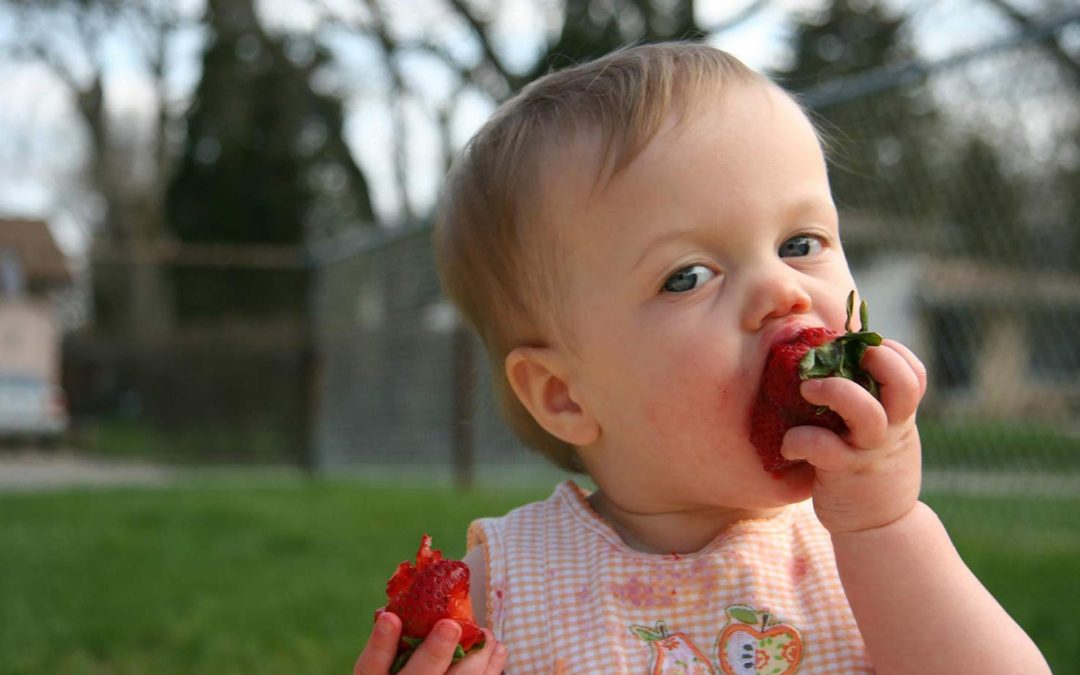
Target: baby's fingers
x=913 y=361
x=900 y=376
x=498 y=661
x=378 y=654
x=436 y=652
x=820 y=447
x=864 y=416
x=487 y=661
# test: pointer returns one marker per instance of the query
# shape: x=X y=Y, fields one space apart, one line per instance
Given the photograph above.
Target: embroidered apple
x=755 y=642
x=674 y=653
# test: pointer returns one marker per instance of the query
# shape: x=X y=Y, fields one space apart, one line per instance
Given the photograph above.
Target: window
x=1055 y=350
x=12 y=280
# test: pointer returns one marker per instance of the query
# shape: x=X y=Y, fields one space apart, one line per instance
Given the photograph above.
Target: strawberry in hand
x=421 y=594
x=811 y=353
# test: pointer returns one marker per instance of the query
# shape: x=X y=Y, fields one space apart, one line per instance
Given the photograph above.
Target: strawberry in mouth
x=811 y=353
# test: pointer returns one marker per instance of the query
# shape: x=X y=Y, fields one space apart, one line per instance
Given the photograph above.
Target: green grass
x=1026 y=551
x=989 y=445
x=129 y=438
x=976 y=444
x=281 y=576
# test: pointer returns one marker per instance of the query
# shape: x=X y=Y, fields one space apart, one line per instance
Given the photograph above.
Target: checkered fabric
x=566 y=595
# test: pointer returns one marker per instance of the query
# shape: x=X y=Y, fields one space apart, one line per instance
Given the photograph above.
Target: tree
x=879 y=144
x=1053 y=44
x=1065 y=178
x=578 y=31
x=264 y=163
x=127 y=174
x=1069 y=182
x=591 y=29
x=984 y=206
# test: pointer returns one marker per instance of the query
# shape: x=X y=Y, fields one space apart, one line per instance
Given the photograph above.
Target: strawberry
x=812 y=353
x=423 y=593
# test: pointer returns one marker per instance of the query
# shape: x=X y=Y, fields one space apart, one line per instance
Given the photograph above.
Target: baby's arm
x=920 y=609
x=918 y=606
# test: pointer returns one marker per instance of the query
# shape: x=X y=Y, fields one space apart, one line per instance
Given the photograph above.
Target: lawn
x=996 y=445
x=281 y=575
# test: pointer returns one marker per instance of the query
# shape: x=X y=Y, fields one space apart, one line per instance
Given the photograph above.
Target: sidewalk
x=1001 y=483
x=33 y=470
x=24 y=471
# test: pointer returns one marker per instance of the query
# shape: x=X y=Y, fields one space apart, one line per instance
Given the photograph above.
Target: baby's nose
x=774 y=296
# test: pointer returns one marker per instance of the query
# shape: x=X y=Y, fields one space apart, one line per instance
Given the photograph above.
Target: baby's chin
x=794 y=483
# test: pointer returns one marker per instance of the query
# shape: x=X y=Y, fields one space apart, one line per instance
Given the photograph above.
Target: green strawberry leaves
x=404 y=654
x=413 y=643
x=842 y=357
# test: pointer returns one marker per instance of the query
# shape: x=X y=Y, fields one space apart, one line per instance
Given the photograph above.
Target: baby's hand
x=870 y=476
x=434 y=655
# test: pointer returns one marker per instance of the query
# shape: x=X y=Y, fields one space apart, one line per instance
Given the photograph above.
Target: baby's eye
x=688 y=278
x=800 y=245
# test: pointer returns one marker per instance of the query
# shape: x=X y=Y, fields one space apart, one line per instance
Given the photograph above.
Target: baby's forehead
x=588 y=167
x=569 y=176
x=589 y=154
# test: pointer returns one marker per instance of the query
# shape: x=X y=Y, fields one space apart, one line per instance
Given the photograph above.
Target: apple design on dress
x=674 y=653
x=756 y=642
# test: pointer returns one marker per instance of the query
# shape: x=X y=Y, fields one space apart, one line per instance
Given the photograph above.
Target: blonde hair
x=494 y=267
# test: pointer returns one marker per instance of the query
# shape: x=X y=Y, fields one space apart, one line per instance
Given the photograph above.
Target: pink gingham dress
x=566 y=595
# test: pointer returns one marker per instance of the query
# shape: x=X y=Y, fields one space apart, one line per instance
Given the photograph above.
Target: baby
x=630 y=237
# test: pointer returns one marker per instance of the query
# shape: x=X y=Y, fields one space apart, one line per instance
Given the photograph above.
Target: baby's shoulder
x=558 y=508
x=474 y=559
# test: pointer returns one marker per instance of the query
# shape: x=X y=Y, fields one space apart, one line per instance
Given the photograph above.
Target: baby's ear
x=538 y=376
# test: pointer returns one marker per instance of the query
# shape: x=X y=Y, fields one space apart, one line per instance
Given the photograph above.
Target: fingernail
x=500 y=651
x=446 y=631
x=382 y=625
x=812 y=386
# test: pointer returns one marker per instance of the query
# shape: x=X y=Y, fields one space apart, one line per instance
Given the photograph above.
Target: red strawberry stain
x=637 y=593
x=800 y=567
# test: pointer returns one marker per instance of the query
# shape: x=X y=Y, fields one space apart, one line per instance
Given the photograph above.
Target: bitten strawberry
x=421 y=594
x=812 y=353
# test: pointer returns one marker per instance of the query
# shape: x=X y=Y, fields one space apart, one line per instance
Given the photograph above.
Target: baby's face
x=718 y=241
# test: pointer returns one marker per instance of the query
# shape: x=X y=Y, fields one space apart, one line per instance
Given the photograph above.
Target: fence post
x=311 y=394
x=464 y=388
x=310 y=390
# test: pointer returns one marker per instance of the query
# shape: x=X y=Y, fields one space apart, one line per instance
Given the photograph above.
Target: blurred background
x=216 y=282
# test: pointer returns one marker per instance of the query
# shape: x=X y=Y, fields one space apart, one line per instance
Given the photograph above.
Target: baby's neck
x=676 y=531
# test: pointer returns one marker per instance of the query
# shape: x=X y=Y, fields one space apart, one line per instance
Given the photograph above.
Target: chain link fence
x=958 y=184
x=401 y=384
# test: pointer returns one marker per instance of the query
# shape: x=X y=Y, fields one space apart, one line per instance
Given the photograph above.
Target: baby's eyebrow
x=813 y=203
x=664 y=238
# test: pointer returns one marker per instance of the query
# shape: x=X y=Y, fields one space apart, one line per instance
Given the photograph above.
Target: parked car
x=31 y=409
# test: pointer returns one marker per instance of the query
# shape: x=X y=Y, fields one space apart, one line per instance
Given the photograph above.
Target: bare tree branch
x=397 y=104
x=480 y=30
x=738 y=18
x=1051 y=43
x=154 y=29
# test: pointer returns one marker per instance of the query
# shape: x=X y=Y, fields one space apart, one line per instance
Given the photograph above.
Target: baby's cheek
x=690 y=401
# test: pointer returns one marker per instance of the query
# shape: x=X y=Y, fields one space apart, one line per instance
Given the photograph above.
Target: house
x=999 y=342
x=32 y=269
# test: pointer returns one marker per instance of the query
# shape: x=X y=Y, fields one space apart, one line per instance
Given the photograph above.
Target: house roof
x=42 y=261
x=963 y=281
